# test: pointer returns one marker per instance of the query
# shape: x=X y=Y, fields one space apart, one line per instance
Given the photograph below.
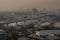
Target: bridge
x=25 y=19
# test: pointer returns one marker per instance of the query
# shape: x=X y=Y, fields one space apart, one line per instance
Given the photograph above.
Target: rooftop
x=47 y=32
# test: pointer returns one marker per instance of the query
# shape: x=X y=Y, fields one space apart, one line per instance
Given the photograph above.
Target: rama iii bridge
x=25 y=19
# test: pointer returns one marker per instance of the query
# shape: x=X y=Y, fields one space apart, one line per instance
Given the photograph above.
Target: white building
x=57 y=24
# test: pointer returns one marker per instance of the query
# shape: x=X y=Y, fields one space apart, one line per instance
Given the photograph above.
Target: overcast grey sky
x=13 y=5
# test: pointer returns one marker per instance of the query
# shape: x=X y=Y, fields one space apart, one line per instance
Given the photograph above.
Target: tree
x=30 y=29
x=12 y=35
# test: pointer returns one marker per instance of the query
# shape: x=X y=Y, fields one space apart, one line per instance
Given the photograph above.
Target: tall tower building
x=58 y=11
x=35 y=11
x=45 y=10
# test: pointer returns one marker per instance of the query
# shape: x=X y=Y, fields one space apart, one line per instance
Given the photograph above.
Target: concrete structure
x=52 y=37
x=47 y=32
x=57 y=24
x=23 y=38
x=58 y=11
x=3 y=35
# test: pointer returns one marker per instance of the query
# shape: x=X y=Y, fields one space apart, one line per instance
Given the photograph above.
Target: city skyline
x=16 y=5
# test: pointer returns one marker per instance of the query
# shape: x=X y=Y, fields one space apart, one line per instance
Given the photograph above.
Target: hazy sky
x=13 y=5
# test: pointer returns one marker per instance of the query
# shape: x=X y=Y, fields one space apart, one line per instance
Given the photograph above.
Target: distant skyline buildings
x=14 y=5
x=30 y=10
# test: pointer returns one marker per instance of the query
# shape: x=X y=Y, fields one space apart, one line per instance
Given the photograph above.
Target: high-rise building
x=2 y=35
x=58 y=11
x=35 y=11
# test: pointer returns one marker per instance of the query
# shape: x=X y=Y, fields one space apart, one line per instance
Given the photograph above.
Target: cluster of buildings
x=21 y=23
